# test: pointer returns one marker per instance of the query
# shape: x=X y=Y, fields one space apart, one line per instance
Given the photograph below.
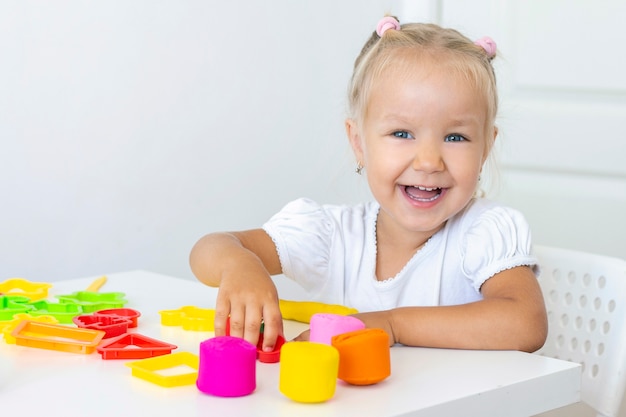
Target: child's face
x=423 y=142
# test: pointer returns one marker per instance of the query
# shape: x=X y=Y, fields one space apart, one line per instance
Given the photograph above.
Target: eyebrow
x=454 y=122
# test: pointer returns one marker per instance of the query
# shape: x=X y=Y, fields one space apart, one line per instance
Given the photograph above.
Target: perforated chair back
x=585 y=296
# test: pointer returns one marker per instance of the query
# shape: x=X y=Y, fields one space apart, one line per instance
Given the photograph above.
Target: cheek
x=384 y=166
x=465 y=168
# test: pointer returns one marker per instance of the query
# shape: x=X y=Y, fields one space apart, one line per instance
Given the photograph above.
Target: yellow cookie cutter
x=153 y=369
x=20 y=286
x=190 y=318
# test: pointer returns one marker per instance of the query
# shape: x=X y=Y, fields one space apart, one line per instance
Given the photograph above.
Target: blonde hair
x=464 y=58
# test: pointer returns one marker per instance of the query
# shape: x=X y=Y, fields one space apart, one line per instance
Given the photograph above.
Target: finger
x=237 y=322
x=273 y=327
x=222 y=311
x=252 y=325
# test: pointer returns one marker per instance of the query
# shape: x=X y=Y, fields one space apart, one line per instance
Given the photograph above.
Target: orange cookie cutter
x=56 y=337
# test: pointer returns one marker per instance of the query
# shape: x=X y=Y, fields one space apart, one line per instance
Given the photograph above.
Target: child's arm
x=241 y=264
x=511 y=316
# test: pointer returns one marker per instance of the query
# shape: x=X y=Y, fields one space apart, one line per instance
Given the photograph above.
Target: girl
x=427 y=261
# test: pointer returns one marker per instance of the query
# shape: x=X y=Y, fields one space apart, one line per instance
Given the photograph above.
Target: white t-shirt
x=331 y=252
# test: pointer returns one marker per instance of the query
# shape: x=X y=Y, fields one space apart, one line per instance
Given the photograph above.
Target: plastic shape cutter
x=154 y=369
x=9 y=308
x=64 y=312
x=6 y=327
x=112 y=326
x=127 y=313
x=20 y=286
x=134 y=346
x=93 y=301
x=56 y=337
x=272 y=356
x=189 y=318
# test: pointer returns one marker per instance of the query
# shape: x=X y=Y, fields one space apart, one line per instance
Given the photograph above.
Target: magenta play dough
x=227 y=367
x=325 y=325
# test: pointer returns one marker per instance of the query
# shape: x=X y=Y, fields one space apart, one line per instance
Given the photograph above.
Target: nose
x=427 y=157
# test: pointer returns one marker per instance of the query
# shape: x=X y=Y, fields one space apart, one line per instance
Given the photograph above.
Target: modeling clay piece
x=308 y=371
x=324 y=326
x=302 y=311
x=227 y=367
x=56 y=337
x=127 y=313
x=112 y=326
x=133 y=346
x=6 y=327
x=190 y=318
x=364 y=357
x=93 y=301
x=9 y=308
x=64 y=312
x=152 y=369
x=20 y=286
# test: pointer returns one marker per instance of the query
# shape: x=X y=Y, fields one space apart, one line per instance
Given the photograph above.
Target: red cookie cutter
x=127 y=313
x=265 y=357
x=133 y=346
x=111 y=325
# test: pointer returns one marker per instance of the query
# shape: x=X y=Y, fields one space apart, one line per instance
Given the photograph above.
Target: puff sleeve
x=302 y=232
x=498 y=239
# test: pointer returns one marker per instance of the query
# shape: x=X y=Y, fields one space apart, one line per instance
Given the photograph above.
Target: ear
x=354 y=136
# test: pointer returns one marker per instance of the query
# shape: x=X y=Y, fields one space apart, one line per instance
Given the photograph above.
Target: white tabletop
x=423 y=382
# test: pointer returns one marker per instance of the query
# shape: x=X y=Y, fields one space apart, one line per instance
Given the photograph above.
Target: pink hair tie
x=488 y=44
x=386 y=23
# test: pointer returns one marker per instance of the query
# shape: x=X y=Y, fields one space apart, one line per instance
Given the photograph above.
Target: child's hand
x=378 y=320
x=303 y=337
x=241 y=264
x=248 y=296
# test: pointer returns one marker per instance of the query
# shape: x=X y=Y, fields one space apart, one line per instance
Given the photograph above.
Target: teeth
x=426 y=188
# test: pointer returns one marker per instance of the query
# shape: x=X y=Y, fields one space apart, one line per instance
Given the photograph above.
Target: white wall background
x=128 y=129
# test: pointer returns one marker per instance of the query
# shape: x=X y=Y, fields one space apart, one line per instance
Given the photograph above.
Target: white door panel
x=562 y=76
x=564 y=44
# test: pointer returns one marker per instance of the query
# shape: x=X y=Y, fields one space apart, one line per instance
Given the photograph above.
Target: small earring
x=359 y=168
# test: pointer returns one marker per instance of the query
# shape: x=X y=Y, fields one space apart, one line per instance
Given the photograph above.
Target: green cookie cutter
x=93 y=301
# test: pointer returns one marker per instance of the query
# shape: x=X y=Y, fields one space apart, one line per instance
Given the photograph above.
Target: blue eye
x=402 y=134
x=455 y=138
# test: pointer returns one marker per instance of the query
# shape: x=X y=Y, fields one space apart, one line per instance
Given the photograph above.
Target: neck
x=395 y=247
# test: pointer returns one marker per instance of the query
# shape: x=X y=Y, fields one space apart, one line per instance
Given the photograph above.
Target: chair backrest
x=585 y=296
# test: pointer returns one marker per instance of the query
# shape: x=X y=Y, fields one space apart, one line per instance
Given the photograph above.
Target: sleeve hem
x=279 y=244
x=496 y=268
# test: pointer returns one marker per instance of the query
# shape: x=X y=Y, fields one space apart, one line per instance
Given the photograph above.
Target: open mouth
x=422 y=194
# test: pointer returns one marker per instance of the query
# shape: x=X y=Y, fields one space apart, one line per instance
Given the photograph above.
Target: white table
x=423 y=382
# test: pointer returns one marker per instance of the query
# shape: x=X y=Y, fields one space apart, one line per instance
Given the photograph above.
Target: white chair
x=585 y=296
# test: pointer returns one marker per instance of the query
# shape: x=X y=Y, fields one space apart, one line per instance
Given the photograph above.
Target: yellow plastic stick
x=302 y=311
x=97 y=284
